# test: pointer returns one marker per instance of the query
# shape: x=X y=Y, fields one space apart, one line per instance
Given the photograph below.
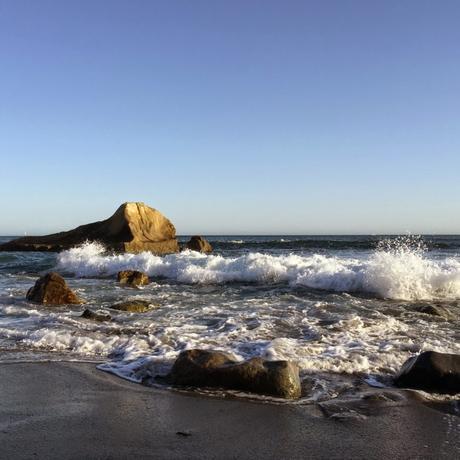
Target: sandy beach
x=72 y=410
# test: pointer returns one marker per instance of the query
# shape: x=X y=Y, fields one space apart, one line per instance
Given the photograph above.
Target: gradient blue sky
x=232 y=116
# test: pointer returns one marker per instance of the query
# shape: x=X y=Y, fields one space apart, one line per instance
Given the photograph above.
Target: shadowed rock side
x=135 y=227
x=431 y=371
x=52 y=289
x=202 y=368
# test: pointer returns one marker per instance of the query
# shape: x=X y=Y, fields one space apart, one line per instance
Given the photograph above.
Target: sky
x=231 y=117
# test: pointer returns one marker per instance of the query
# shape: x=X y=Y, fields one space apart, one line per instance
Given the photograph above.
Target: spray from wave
x=397 y=269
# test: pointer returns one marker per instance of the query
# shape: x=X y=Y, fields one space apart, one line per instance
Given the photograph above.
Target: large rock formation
x=431 y=371
x=52 y=289
x=134 y=227
x=202 y=368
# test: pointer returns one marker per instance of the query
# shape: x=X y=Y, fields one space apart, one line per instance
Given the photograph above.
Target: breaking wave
x=399 y=269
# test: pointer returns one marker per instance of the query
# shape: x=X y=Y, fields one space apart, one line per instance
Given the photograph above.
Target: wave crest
x=396 y=271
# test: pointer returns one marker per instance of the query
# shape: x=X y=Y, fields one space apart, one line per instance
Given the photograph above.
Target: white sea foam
x=403 y=273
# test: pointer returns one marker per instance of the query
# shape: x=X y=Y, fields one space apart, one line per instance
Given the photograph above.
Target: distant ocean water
x=343 y=307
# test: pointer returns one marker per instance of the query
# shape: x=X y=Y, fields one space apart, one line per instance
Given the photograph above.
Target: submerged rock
x=135 y=227
x=95 y=316
x=52 y=289
x=432 y=372
x=435 y=310
x=202 y=368
x=133 y=306
x=133 y=278
x=198 y=243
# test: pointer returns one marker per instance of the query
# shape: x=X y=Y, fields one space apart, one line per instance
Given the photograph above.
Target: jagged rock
x=198 y=243
x=435 y=310
x=202 y=368
x=133 y=278
x=52 y=289
x=95 y=316
x=135 y=227
x=431 y=371
x=133 y=306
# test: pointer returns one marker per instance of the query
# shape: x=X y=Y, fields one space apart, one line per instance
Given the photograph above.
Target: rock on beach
x=432 y=372
x=203 y=368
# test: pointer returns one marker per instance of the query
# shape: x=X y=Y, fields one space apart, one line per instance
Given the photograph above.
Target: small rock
x=432 y=372
x=52 y=289
x=133 y=278
x=202 y=368
x=198 y=243
x=90 y=314
x=133 y=306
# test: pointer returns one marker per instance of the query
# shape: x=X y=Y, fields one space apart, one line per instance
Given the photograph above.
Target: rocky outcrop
x=96 y=316
x=202 y=368
x=52 y=289
x=132 y=278
x=133 y=306
x=198 y=243
x=135 y=227
x=431 y=371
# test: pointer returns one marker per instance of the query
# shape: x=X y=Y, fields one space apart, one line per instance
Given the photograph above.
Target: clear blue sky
x=231 y=116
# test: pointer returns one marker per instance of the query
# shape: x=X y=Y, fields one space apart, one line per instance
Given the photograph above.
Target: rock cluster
x=202 y=368
x=53 y=290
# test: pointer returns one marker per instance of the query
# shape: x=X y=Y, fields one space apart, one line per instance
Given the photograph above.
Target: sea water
x=343 y=307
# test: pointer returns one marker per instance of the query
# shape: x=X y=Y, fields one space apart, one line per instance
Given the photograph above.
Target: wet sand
x=72 y=410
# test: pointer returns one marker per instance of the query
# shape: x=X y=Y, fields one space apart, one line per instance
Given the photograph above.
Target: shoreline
x=73 y=410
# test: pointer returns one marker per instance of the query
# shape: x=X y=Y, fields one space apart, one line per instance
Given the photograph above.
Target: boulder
x=432 y=372
x=202 y=368
x=95 y=316
x=133 y=306
x=52 y=289
x=198 y=243
x=135 y=227
x=133 y=278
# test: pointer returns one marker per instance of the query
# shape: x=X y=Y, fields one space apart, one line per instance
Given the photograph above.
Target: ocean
x=347 y=309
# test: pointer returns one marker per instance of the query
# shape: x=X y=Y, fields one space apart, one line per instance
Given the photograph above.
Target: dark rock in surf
x=132 y=278
x=434 y=310
x=135 y=227
x=202 y=368
x=432 y=372
x=199 y=244
x=95 y=316
x=51 y=289
x=133 y=306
